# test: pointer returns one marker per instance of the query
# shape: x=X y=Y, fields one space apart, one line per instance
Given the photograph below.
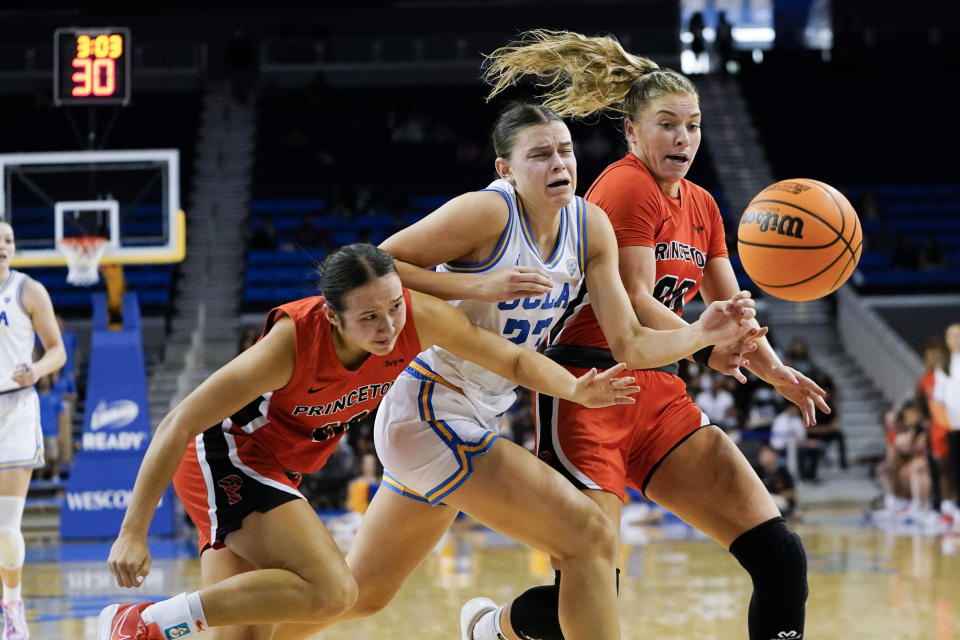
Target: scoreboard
x=91 y=66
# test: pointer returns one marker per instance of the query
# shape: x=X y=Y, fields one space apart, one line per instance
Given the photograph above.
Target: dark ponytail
x=349 y=267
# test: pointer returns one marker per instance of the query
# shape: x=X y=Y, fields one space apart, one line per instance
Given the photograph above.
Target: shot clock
x=91 y=66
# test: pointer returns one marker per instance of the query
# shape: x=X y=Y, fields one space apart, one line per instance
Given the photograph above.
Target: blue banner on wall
x=116 y=431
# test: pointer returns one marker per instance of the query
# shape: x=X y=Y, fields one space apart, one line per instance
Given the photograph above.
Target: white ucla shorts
x=427 y=434
x=21 y=439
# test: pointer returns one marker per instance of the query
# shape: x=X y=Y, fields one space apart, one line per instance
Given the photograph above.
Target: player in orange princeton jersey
x=278 y=409
x=671 y=245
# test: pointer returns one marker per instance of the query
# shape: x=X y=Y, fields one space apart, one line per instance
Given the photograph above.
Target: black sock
x=534 y=613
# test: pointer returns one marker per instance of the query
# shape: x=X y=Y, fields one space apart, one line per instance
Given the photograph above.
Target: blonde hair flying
x=582 y=75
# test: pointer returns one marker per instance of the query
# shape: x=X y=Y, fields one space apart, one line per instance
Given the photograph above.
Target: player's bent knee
x=595 y=536
x=371 y=601
x=332 y=600
x=777 y=563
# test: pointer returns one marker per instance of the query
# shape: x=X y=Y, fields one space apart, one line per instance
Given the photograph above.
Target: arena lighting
x=753 y=35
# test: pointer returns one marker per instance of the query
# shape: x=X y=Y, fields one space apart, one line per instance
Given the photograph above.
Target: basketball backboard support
x=129 y=197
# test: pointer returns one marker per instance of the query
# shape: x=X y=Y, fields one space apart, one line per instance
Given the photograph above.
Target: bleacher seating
x=307 y=168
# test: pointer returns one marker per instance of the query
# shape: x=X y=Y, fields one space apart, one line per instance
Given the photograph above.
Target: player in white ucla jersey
x=25 y=310
x=519 y=247
x=523 y=321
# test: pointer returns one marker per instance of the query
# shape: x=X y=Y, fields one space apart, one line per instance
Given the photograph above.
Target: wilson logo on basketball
x=784 y=225
x=789 y=187
x=231 y=486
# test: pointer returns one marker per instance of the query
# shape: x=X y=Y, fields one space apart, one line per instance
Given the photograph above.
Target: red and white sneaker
x=15 y=621
x=123 y=622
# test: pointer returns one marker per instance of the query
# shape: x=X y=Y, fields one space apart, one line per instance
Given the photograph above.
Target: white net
x=83 y=255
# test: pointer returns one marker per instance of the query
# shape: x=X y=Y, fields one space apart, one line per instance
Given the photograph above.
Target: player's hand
x=504 y=285
x=731 y=320
x=728 y=358
x=595 y=390
x=24 y=375
x=798 y=389
x=129 y=560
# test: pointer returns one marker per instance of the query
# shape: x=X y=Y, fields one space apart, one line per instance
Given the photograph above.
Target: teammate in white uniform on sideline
x=531 y=241
x=25 y=309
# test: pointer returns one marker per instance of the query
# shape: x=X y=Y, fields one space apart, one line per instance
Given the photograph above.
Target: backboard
x=129 y=197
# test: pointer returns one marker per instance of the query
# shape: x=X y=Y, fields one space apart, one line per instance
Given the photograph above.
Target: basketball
x=799 y=239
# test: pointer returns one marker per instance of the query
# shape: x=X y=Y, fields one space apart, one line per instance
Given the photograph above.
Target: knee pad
x=11 y=539
x=534 y=613
x=777 y=563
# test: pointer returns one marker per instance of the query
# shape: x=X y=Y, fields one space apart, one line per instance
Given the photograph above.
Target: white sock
x=889 y=501
x=948 y=507
x=196 y=611
x=172 y=614
x=488 y=626
x=11 y=594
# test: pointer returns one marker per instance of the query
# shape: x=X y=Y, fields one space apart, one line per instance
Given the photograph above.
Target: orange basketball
x=799 y=239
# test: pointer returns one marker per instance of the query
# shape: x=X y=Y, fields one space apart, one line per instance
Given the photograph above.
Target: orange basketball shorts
x=617 y=446
x=223 y=478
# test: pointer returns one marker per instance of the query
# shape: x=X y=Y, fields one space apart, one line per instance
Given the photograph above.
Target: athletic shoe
x=15 y=621
x=123 y=622
x=471 y=612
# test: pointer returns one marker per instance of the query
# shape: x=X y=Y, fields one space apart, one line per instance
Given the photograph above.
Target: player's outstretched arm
x=642 y=347
x=719 y=281
x=265 y=366
x=440 y=324
x=466 y=230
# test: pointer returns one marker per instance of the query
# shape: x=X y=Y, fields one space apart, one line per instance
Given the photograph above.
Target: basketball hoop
x=83 y=255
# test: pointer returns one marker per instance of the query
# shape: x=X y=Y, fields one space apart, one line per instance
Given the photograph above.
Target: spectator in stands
x=361 y=489
x=698 y=45
x=827 y=428
x=931 y=254
x=409 y=129
x=763 y=408
x=723 y=42
x=716 y=400
x=904 y=253
x=326 y=488
x=903 y=474
x=21 y=444
x=777 y=479
x=888 y=470
x=309 y=235
x=249 y=335
x=798 y=356
x=519 y=420
x=914 y=476
x=947 y=393
x=941 y=475
x=363 y=202
x=53 y=421
x=265 y=237
x=788 y=435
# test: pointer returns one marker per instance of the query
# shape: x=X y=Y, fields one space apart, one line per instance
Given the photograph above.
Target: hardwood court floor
x=676 y=585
